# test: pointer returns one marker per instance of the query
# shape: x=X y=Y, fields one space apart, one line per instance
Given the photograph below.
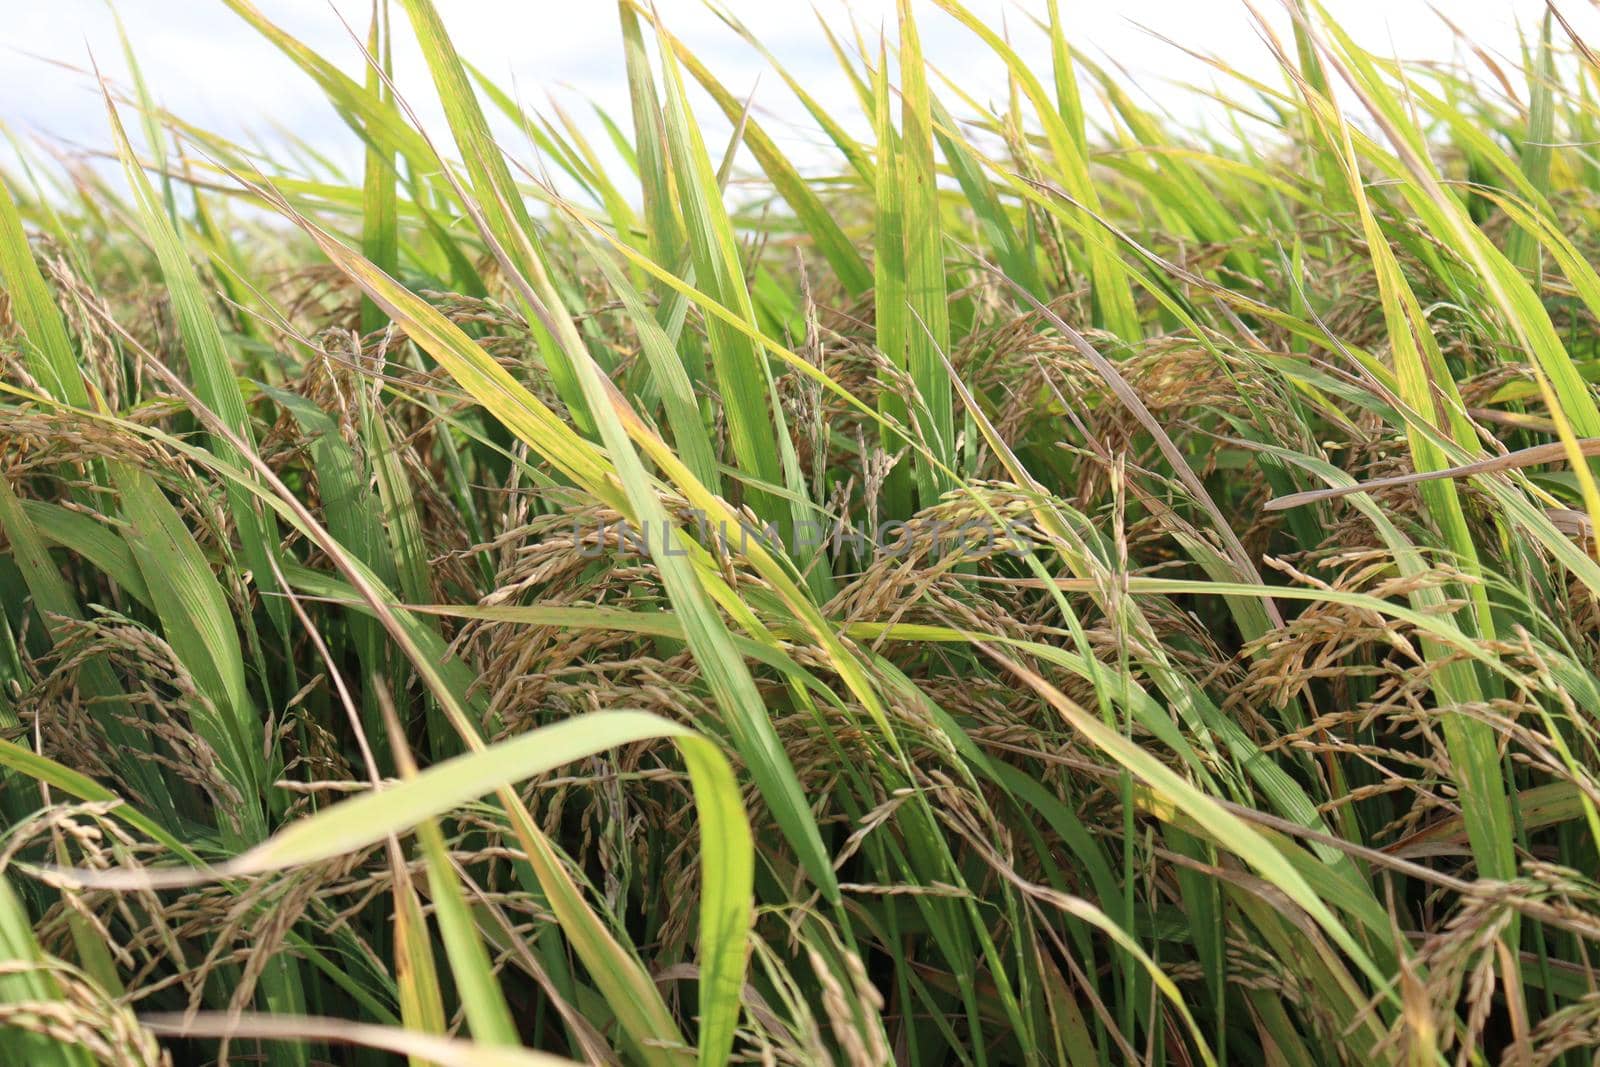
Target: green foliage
x=1051 y=586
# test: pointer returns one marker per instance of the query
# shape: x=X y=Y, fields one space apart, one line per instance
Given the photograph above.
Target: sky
x=205 y=63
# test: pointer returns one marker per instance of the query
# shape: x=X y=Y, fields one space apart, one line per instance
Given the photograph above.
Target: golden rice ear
x=1575 y=524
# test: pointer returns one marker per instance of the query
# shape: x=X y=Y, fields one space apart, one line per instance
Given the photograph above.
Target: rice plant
x=1050 y=585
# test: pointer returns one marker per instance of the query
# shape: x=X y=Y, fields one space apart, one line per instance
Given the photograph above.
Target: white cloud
x=205 y=63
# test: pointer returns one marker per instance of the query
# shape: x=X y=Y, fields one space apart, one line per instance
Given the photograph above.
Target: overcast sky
x=205 y=63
